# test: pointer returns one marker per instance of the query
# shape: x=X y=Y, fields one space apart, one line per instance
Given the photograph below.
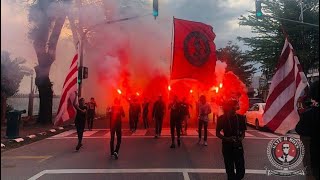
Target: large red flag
x=194 y=52
x=281 y=114
x=66 y=109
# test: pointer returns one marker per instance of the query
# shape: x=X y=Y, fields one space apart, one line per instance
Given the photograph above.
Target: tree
x=267 y=45
x=46 y=18
x=236 y=62
x=12 y=73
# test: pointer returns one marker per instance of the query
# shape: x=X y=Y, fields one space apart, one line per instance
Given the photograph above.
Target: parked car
x=254 y=115
x=254 y=100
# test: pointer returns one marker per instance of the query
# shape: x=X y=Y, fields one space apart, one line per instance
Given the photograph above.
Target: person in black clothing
x=308 y=129
x=91 y=112
x=145 y=112
x=134 y=113
x=80 y=120
x=176 y=116
x=186 y=114
x=116 y=115
x=157 y=115
x=233 y=126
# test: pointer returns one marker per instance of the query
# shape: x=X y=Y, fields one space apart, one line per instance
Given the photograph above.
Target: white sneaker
x=205 y=143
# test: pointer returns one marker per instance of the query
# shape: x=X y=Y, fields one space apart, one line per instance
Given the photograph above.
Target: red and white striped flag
x=66 y=109
x=287 y=84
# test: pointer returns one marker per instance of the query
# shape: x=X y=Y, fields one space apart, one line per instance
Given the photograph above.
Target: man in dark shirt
x=116 y=115
x=186 y=115
x=233 y=126
x=134 y=113
x=158 y=114
x=145 y=112
x=91 y=112
x=176 y=115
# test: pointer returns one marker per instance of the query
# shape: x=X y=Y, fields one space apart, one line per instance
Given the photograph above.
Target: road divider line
x=42 y=158
x=149 y=170
x=151 y=137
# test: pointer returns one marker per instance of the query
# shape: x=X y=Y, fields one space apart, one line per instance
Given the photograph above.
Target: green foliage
x=237 y=62
x=267 y=45
x=11 y=73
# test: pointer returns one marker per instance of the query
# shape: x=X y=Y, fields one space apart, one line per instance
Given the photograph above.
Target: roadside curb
x=12 y=143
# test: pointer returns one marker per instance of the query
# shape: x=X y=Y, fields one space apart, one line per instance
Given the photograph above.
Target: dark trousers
x=145 y=121
x=159 y=121
x=115 y=129
x=80 y=124
x=131 y=123
x=205 y=127
x=175 y=124
x=135 y=123
x=90 y=121
x=233 y=157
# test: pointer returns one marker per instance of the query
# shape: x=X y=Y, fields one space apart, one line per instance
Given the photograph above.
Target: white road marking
x=107 y=135
x=150 y=137
x=164 y=170
x=66 y=133
x=249 y=135
x=88 y=133
x=165 y=132
x=192 y=132
x=139 y=132
x=268 y=134
x=212 y=131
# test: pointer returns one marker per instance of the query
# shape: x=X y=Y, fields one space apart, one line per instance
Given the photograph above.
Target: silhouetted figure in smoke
x=176 y=115
x=134 y=113
x=203 y=111
x=91 y=112
x=116 y=115
x=158 y=114
x=145 y=112
x=80 y=120
x=234 y=127
x=185 y=114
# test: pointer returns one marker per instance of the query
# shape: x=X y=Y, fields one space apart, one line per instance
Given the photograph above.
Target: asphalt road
x=141 y=157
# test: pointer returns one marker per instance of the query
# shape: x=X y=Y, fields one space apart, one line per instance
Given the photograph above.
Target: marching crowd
x=232 y=124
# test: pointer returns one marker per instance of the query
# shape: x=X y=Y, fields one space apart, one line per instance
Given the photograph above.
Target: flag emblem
x=196 y=48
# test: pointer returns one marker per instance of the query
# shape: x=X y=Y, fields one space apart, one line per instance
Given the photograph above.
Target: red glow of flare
x=220 y=85
x=191 y=91
x=137 y=94
x=119 y=91
x=169 y=88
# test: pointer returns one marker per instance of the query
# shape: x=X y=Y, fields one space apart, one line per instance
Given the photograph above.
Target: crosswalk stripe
x=108 y=134
x=212 y=131
x=139 y=132
x=249 y=135
x=268 y=134
x=88 y=133
x=66 y=133
x=192 y=132
x=165 y=132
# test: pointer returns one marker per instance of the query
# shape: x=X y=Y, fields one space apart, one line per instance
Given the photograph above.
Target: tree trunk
x=45 y=94
x=3 y=108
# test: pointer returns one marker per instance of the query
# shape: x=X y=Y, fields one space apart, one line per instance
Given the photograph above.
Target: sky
x=155 y=35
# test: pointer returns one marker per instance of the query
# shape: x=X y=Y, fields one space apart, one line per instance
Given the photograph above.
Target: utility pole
x=31 y=96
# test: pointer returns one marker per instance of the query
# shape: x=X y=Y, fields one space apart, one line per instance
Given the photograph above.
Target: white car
x=254 y=115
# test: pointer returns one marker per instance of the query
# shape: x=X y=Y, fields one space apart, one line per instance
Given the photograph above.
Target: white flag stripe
x=288 y=123
x=279 y=102
x=282 y=72
x=248 y=134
